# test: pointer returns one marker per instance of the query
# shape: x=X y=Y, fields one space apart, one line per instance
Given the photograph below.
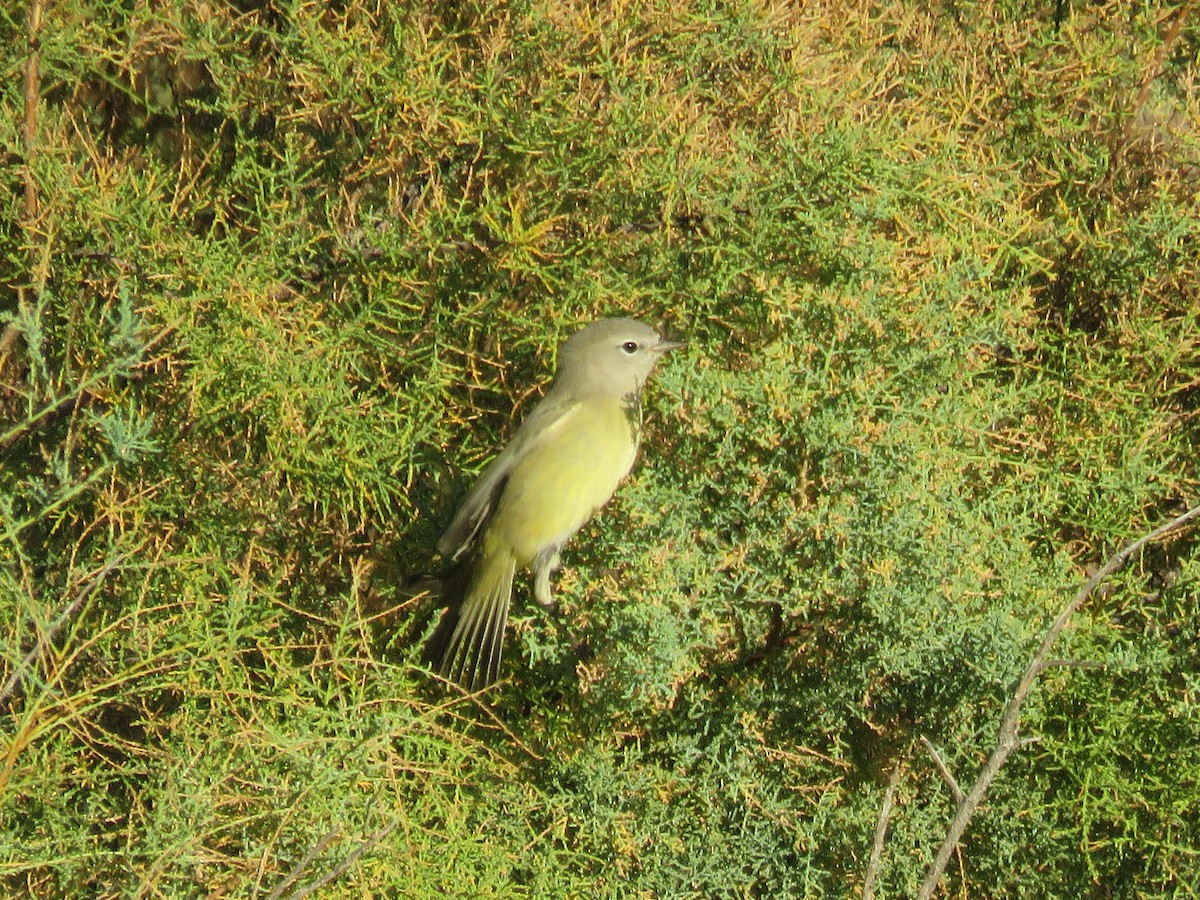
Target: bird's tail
x=469 y=640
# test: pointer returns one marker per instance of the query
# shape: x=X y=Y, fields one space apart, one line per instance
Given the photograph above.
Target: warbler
x=562 y=465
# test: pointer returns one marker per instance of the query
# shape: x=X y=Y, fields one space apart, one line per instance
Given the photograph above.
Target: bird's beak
x=663 y=346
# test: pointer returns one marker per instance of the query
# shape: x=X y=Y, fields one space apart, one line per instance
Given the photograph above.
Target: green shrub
x=295 y=267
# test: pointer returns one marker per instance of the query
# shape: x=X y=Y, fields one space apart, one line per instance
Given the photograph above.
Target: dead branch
x=337 y=871
x=1008 y=738
x=959 y=796
x=33 y=81
x=881 y=826
x=25 y=666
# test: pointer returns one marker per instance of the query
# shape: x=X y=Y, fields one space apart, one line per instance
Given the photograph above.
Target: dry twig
x=1009 y=738
x=337 y=871
x=29 y=129
x=959 y=796
x=25 y=666
x=881 y=826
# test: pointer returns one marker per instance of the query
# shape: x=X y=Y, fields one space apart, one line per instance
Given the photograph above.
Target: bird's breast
x=568 y=473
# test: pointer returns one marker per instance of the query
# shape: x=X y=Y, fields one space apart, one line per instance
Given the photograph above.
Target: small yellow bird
x=563 y=464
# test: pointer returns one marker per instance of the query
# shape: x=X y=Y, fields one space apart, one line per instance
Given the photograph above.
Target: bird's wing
x=545 y=420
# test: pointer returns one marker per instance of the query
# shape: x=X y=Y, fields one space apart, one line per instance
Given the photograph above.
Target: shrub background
x=294 y=267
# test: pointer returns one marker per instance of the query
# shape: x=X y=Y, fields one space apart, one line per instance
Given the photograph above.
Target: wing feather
x=481 y=500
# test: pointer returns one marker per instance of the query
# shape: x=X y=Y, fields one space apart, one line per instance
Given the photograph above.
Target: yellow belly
x=563 y=479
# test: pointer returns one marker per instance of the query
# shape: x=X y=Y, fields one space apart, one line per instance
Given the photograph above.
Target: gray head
x=612 y=357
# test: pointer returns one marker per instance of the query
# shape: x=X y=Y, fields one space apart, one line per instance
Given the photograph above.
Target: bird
x=563 y=464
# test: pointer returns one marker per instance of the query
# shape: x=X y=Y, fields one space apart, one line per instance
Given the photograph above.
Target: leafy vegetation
x=278 y=276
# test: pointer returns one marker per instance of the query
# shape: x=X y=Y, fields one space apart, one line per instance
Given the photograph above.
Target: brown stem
x=881 y=826
x=32 y=98
x=1155 y=68
x=951 y=781
x=337 y=871
x=1008 y=738
x=29 y=129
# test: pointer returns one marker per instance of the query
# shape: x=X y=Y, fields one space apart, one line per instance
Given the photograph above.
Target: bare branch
x=337 y=871
x=47 y=637
x=959 y=796
x=29 y=130
x=881 y=826
x=298 y=869
x=1008 y=738
x=32 y=99
x=1070 y=664
x=1155 y=68
x=1152 y=72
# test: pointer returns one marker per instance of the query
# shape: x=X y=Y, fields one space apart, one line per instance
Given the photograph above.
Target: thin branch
x=881 y=827
x=337 y=871
x=69 y=403
x=298 y=869
x=476 y=698
x=29 y=130
x=1071 y=664
x=47 y=637
x=29 y=126
x=1008 y=737
x=85 y=392
x=1154 y=70
x=959 y=796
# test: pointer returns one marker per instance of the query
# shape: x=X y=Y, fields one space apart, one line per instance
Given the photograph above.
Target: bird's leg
x=546 y=562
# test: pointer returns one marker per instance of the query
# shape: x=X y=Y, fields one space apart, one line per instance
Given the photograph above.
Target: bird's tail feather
x=469 y=640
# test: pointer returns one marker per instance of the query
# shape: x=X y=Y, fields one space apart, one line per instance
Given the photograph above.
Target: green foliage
x=293 y=269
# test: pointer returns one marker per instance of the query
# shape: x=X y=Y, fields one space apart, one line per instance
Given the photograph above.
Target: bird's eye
x=630 y=347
